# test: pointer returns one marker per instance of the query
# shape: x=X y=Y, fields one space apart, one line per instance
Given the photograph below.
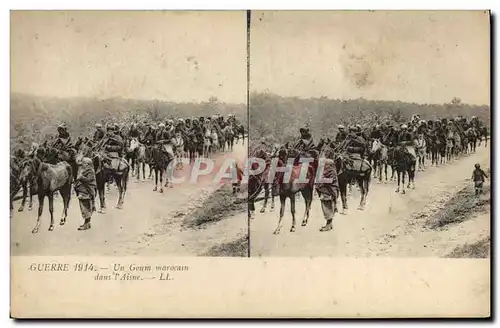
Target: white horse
x=207 y=142
x=421 y=150
x=178 y=142
x=140 y=149
x=215 y=142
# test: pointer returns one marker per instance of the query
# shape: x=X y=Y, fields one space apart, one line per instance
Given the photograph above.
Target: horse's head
x=376 y=145
x=28 y=169
x=134 y=144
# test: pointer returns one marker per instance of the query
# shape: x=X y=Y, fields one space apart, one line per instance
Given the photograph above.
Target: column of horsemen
x=117 y=149
x=357 y=153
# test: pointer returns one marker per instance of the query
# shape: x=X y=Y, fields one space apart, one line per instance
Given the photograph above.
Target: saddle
x=354 y=163
x=112 y=161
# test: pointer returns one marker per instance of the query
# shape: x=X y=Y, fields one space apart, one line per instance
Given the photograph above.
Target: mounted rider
x=149 y=137
x=112 y=145
x=356 y=144
x=62 y=143
x=133 y=132
x=341 y=134
x=376 y=133
x=164 y=139
x=98 y=133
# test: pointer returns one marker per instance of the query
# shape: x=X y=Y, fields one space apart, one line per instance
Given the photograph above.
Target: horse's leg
x=399 y=179
x=385 y=170
x=41 y=197
x=101 y=181
x=266 y=196
x=50 y=195
x=364 y=183
x=119 y=185
x=292 y=210
x=161 y=179
x=307 y=193
x=282 y=213
x=403 y=176
x=66 y=194
x=343 y=194
x=32 y=191
x=272 y=196
x=156 y=178
x=25 y=194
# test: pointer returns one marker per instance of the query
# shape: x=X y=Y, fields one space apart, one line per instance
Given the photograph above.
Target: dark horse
x=353 y=168
x=405 y=163
x=239 y=130
x=161 y=162
x=50 y=178
x=105 y=168
x=256 y=182
x=288 y=189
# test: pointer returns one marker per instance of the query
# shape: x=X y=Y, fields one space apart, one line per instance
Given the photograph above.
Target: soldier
x=98 y=133
x=356 y=144
x=328 y=191
x=113 y=143
x=62 y=142
x=149 y=137
x=376 y=133
x=341 y=134
x=133 y=132
x=305 y=141
x=85 y=186
x=164 y=139
x=404 y=135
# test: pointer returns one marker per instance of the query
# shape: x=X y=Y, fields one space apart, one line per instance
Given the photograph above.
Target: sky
x=173 y=56
x=422 y=57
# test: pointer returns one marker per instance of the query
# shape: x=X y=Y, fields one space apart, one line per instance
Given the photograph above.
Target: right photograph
x=369 y=133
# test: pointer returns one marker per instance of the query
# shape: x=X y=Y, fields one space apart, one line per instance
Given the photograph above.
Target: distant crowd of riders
x=112 y=150
x=358 y=152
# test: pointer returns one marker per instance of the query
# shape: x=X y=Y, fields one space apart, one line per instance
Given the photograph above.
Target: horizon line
x=267 y=92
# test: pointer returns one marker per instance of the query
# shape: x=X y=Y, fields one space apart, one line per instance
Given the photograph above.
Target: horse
x=178 y=142
x=380 y=157
x=270 y=188
x=29 y=182
x=256 y=183
x=50 y=178
x=288 y=189
x=130 y=155
x=139 y=154
x=106 y=168
x=353 y=168
x=471 y=139
x=483 y=132
x=405 y=164
x=229 y=136
x=239 y=130
x=161 y=161
x=215 y=142
x=421 y=152
x=207 y=142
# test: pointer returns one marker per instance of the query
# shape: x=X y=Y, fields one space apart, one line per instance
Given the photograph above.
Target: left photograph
x=128 y=132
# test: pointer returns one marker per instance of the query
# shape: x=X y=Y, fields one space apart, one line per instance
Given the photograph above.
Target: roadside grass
x=218 y=206
x=461 y=207
x=236 y=248
x=478 y=250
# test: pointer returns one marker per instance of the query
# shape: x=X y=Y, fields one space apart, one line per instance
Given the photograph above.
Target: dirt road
x=388 y=226
x=149 y=224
